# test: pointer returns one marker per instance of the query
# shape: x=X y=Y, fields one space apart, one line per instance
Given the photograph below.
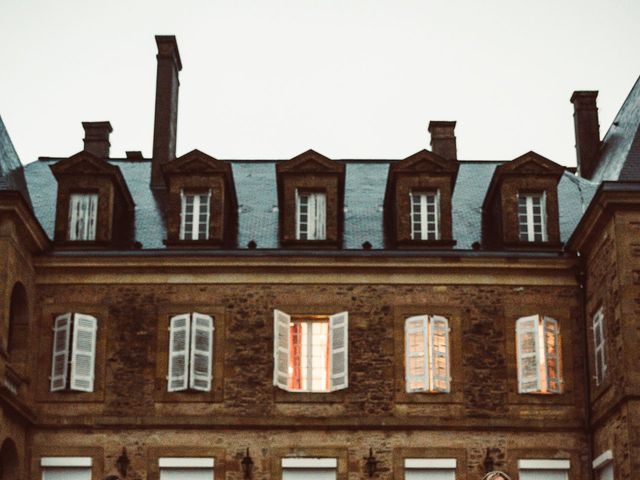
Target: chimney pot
x=96 y=138
x=587 y=131
x=166 y=109
x=443 y=139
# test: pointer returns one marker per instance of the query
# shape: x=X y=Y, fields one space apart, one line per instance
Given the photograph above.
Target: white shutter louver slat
x=178 y=352
x=202 y=331
x=527 y=353
x=440 y=354
x=281 y=326
x=60 y=352
x=416 y=354
x=339 y=342
x=83 y=352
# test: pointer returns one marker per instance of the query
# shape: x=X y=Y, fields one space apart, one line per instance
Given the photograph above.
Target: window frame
x=334 y=323
x=429 y=353
x=540 y=354
x=529 y=196
x=76 y=453
x=46 y=321
x=93 y=211
x=422 y=213
x=185 y=193
x=340 y=454
x=216 y=394
x=156 y=452
x=598 y=322
x=401 y=454
x=299 y=193
x=454 y=316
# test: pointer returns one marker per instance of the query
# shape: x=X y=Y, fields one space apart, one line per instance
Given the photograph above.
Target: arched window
x=18 y=324
x=8 y=461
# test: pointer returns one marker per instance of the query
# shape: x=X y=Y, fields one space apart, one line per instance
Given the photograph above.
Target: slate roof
x=365 y=183
x=620 y=148
x=11 y=170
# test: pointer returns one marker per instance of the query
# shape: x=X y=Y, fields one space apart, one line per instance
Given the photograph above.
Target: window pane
x=186 y=474
x=309 y=474
x=66 y=473
x=308 y=356
x=430 y=474
x=544 y=475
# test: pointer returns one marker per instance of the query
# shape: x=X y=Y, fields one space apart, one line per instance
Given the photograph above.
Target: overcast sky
x=348 y=78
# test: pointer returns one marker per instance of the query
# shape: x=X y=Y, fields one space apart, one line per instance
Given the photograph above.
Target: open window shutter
x=440 y=354
x=281 y=325
x=320 y=214
x=83 y=352
x=416 y=333
x=201 y=352
x=527 y=351
x=60 y=352
x=178 y=352
x=552 y=355
x=92 y=214
x=339 y=341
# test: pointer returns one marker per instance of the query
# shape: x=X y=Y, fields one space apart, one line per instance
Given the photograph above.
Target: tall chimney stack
x=166 y=116
x=96 y=138
x=587 y=128
x=443 y=139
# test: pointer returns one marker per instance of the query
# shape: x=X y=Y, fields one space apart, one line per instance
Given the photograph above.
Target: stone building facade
x=422 y=318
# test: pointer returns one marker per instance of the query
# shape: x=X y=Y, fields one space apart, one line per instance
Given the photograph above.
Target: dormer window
x=194 y=216
x=311 y=213
x=425 y=215
x=83 y=209
x=532 y=221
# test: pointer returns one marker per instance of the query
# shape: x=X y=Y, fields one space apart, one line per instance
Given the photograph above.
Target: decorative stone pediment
x=196 y=162
x=84 y=163
x=531 y=163
x=311 y=162
x=425 y=161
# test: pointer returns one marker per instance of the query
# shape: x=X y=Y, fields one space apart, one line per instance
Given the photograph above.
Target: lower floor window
x=603 y=466
x=66 y=468
x=309 y=468
x=430 y=468
x=181 y=468
x=544 y=469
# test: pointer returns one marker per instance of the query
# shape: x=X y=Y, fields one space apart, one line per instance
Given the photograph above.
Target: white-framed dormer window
x=310 y=352
x=306 y=468
x=603 y=466
x=83 y=212
x=540 y=469
x=185 y=468
x=311 y=215
x=539 y=354
x=73 y=353
x=425 y=215
x=427 y=354
x=66 y=468
x=532 y=217
x=599 y=346
x=190 y=352
x=430 y=468
x=194 y=215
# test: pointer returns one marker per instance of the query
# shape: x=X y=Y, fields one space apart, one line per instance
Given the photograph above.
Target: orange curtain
x=295 y=356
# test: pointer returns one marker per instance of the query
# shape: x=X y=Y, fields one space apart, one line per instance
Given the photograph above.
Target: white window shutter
x=83 y=352
x=440 y=354
x=178 y=352
x=60 y=352
x=281 y=327
x=551 y=335
x=339 y=342
x=201 y=352
x=416 y=334
x=320 y=213
x=527 y=354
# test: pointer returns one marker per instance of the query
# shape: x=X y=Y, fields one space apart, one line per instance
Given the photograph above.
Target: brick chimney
x=443 y=139
x=96 y=138
x=587 y=129
x=166 y=116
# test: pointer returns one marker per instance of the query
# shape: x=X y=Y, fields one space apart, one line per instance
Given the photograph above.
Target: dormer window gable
x=311 y=201
x=94 y=207
x=417 y=202
x=202 y=207
x=520 y=210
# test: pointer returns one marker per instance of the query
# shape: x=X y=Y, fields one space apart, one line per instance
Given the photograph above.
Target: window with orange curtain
x=309 y=355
